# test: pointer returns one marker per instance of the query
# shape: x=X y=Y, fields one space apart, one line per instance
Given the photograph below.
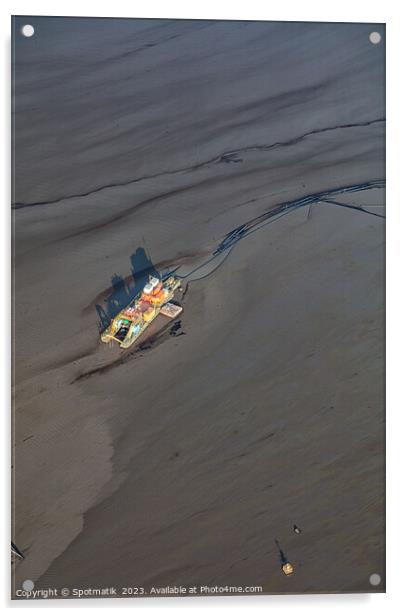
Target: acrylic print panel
x=198 y=227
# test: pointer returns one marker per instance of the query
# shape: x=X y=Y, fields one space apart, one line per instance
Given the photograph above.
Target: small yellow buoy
x=287 y=568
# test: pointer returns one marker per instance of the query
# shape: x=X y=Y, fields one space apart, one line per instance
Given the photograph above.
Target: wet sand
x=182 y=463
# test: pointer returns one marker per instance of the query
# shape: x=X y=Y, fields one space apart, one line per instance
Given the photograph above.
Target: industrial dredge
x=132 y=321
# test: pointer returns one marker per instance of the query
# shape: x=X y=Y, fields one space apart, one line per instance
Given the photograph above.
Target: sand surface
x=146 y=142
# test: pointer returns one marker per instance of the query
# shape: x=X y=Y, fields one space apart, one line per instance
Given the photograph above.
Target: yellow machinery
x=131 y=322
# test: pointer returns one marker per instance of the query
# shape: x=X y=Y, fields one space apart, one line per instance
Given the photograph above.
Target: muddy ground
x=140 y=144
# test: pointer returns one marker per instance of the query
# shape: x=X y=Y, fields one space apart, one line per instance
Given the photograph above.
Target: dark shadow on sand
x=125 y=289
x=282 y=556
